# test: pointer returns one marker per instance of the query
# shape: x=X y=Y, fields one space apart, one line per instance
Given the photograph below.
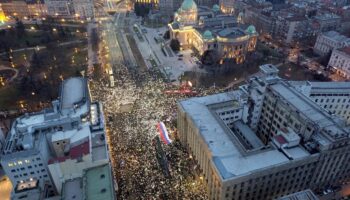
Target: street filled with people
x=132 y=110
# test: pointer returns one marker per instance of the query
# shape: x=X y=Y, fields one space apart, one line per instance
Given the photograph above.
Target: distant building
x=37 y=8
x=332 y=96
x=340 y=61
x=265 y=140
x=202 y=29
x=328 y=22
x=83 y=9
x=15 y=8
x=302 y=195
x=95 y=183
x=46 y=149
x=227 y=6
x=328 y=41
x=295 y=28
x=60 y=8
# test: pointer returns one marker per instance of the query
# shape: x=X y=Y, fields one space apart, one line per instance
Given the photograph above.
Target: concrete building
x=264 y=141
x=328 y=22
x=15 y=8
x=203 y=30
x=60 y=8
x=44 y=150
x=340 y=61
x=328 y=41
x=83 y=9
x=294 y=28
x=332 y=96
x=302 y=195
x=37 y=8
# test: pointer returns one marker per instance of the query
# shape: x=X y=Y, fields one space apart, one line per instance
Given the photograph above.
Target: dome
x=251 y=29
x=188 y=5
x=216 y=8
x=207 y=35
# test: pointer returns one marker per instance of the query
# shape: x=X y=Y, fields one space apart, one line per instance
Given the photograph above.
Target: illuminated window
x=20 y=162
x=10 y=165
x=27 y=161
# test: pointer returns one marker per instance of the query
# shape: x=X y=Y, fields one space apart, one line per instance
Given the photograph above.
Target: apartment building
x=328 y=41
x=46 y=149
x=264 y=141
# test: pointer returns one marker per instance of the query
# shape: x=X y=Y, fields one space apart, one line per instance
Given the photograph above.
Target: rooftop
x=73 y=189
x=227 y=154
x=346 y=50
x=336 y=36
x=98 y=183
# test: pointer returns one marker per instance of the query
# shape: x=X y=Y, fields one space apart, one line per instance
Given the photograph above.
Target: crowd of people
x=132 y=110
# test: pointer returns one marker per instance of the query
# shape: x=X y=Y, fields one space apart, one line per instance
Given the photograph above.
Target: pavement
x=93 y=59
x=171 y=64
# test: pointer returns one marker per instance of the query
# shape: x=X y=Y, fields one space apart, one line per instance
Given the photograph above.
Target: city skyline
x=175 y=99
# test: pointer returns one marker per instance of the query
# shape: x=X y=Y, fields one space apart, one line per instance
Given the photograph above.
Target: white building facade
x=340 y=61
x=328 y=41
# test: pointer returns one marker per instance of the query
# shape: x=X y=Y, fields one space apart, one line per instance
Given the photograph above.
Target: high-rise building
x=265 y=140
x=44 y=150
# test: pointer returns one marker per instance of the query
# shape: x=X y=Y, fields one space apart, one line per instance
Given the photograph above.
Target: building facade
x=328 y=41
x=17 y=9
x=83 y=9
x=340 y=61
x=264 y=141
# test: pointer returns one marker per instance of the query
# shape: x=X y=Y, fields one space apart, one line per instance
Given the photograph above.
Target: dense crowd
x=132 y=109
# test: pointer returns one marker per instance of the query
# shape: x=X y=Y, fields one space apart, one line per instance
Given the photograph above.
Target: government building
x=203 y=29
x=270 y=138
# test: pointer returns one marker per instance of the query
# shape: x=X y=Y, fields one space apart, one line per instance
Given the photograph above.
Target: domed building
x=216 y=8
x=214 y=32
x=187 y=14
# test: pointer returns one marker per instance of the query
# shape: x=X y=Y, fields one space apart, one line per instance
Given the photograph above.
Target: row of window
x=333 y=100
x=31 y=173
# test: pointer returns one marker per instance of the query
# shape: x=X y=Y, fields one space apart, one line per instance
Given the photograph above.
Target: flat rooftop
x=336 y=36
x=226 y=152
x=345 y=50
x=73 y=91
x=98 y=183
x=73 y=189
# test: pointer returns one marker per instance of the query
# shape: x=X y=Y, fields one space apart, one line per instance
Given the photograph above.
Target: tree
x=210 y=57
x=166 y=35
x=20 y=29
x=175 y=45
x=141 y=9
